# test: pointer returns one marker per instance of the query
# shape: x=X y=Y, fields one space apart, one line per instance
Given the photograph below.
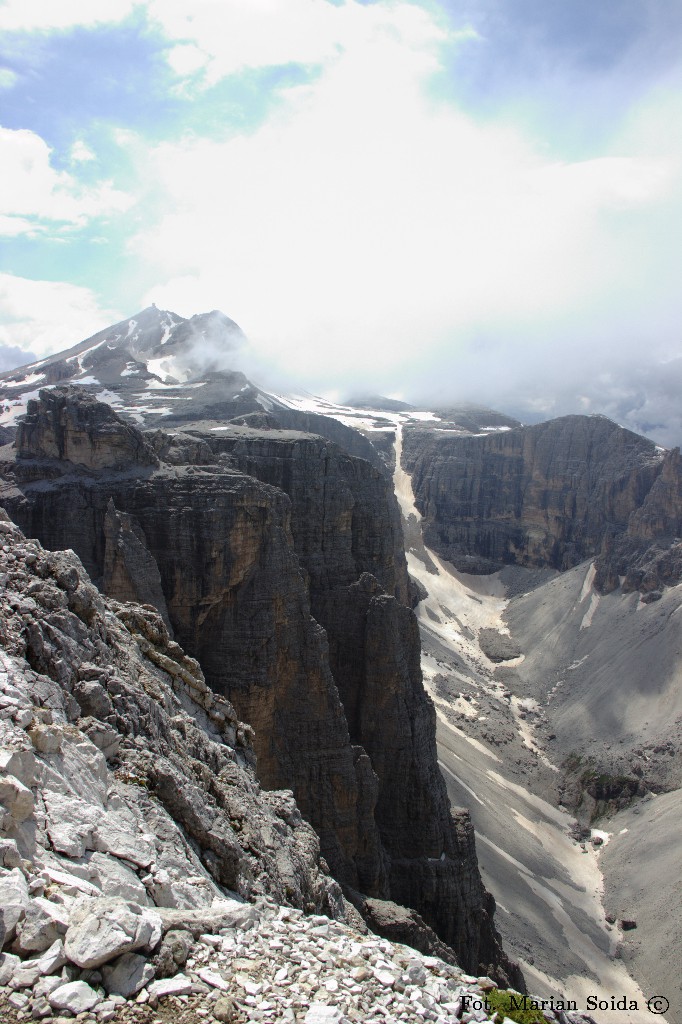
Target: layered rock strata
x=251 y=570
x=121 y=773
x=552 y=494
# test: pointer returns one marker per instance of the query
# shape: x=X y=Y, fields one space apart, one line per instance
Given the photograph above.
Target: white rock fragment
x=213 y=979
x=116 y=879
x=74 y=996
x=69 y=882
x=20 y=763
x=9 y=854
x=105 y=928
x=44 y=923
x=31 y=970
x=8 y=965
x=14 y=900
x=47 y=739
x=177 y=986
x=320 y=1013
x=16 y=798
x=127 y=975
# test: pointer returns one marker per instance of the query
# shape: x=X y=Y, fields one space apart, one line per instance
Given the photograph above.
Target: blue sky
x=465 y=198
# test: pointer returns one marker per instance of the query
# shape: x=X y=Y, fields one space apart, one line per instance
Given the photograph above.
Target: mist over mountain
x=639 y=390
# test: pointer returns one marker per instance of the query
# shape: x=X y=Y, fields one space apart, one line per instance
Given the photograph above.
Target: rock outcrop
x=281 y=566
x=87 y=433
x=123 y=774
x=552 y=495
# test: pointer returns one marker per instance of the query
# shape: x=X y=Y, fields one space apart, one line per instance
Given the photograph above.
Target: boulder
x=9 y=854
x=103 y=929
x=47 y=739
x=223 y=914
x=16 y=798
x=29 y=972
x=74 y=996
x=14 y=901
x=19 y=762
x=173 y=952
x=127 y=975
x=44 y=923
x=116 y=879
x=8 y=965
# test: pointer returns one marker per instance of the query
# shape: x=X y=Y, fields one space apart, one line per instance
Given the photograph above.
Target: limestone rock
x=8 y=965
x=130 y=569
x=177 y=986
x=172 y=954
x=103 y=929
x=88 y=433
x=157 y=707
x=45 y=922
x=14 y=901
x=16 y=798
x=223 y=1010
x=74 y=996
x=30 y=971
x=127 y=975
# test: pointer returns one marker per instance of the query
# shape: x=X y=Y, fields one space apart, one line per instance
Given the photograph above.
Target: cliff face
x=256 y=542
x=123 y=773
x=552 y=494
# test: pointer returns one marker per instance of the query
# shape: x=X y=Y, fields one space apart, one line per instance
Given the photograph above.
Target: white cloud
x=46 y=316
x=46 y=15
x=35 y=195
x=233 y=35
x=8 y=78
x=186 y=59
x=367 y=227
x=81 y=153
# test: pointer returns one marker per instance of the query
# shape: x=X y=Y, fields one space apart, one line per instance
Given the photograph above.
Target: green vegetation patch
x=510 y=1004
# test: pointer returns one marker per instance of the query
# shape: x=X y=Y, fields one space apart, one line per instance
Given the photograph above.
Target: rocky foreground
x=255 y=962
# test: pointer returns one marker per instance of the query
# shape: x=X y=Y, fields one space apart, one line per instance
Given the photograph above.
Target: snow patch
x=10 y=411
x=589 y=614
x=587 y=582
x=165 y=367
x=32 y=378
x=110 y=397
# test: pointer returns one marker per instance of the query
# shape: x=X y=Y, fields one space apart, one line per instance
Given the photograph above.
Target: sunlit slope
x=607 y=671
